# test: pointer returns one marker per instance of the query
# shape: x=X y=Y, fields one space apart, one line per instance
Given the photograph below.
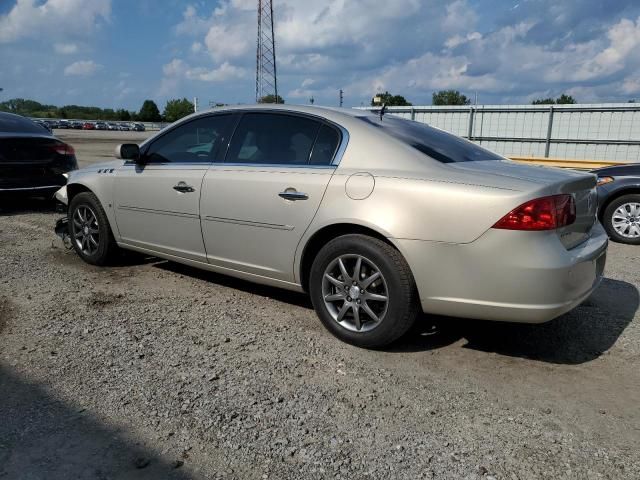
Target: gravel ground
x=149 y=369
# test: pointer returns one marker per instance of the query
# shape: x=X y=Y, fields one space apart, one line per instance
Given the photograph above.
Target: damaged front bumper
x=61 y=195
x=62 y=230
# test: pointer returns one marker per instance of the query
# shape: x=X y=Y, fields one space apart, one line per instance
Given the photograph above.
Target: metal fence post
x=413 y=114
x=549 y=130
x=470 y=131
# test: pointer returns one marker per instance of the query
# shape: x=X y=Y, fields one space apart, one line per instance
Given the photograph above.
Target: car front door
x=157 y=200
x=256 y=205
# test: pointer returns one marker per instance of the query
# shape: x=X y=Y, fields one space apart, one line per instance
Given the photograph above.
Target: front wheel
x=363 y=291
x=89 y=229
x=621 y=219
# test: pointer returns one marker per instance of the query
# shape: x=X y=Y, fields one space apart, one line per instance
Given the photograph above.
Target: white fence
x=609 y=132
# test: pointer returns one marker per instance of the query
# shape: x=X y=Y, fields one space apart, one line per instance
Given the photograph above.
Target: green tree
x=176 y=109
x=123 y=115
x=565 y=99
x=544 y=101
x=149 y=112
x=449 y=97
x=271 y=99
x=390 y=100
x=561 y=100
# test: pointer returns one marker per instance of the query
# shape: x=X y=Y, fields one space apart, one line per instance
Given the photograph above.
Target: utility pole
x=195 y=104
x=266 y=78
x=311 y=100
x=341 y=97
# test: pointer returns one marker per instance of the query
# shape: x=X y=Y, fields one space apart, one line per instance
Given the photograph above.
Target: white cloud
x=177 y=69
x=65 y=48
x=82 y=68
x=414 y=47
x=53 y=18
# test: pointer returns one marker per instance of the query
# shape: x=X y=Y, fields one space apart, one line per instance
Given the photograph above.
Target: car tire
x=625 y=205
x=89 y=230
x=348 y=307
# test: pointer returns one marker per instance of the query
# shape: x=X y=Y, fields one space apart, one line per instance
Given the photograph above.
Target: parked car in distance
x=619 y=202
x=112 y=126
x=123 y=127
x=375 y=217
x=138 y=127
x=64 y=124
x=52 y=123
x=76 y=125
x=32 y=160
x=101 y=126
x=88 y=126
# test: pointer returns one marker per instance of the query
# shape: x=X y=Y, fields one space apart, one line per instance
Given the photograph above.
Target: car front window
x=194 y=142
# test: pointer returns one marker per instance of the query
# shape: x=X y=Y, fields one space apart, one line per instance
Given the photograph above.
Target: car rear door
x=157 y=203
x=256 y=205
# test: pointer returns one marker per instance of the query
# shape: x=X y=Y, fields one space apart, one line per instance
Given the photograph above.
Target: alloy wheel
x=86 y=231
x=626 y=220
x=355 y=293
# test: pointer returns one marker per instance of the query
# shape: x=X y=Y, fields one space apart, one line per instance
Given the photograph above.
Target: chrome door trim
x=160 y=212
x=249 y=223
x=46 y=187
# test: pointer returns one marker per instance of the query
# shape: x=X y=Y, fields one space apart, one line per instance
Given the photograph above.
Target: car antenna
x=383 y=110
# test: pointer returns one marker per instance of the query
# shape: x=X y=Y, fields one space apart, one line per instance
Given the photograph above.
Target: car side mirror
x=128 y=151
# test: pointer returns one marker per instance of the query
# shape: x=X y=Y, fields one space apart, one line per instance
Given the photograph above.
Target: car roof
x=331 y=113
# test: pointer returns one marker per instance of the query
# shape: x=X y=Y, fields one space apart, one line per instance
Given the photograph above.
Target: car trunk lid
x=549 y=181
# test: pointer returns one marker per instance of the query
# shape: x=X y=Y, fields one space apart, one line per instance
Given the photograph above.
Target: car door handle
x=184 y=188
x=293 y=195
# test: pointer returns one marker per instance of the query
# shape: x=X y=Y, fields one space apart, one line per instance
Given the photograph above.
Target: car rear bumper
x=526 y=277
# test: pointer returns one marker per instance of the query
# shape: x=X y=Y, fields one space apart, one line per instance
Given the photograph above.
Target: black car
x=619 y=200
x=44 y=125
x=32 y=160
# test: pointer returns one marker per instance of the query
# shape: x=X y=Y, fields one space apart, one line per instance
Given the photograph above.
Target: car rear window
x=17 y=124
x=437 y=144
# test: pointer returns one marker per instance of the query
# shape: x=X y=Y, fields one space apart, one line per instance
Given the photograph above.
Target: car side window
x=325 y=147
x=273 y=138
x=194 y=142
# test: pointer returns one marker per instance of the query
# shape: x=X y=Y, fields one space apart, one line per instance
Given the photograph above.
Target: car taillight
x=546 y=213
x=63 y=149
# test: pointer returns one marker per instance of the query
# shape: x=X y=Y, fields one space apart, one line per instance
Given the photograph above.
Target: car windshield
x=17 y=124
x=437 y=144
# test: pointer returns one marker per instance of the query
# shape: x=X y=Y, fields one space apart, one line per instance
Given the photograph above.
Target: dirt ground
x=149 y=369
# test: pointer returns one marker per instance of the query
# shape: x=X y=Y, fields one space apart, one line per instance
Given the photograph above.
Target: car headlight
x=604 y=180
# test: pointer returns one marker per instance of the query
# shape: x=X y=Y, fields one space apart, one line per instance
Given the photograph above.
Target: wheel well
x=615 y=196
x=326 y=234
x=74 y=189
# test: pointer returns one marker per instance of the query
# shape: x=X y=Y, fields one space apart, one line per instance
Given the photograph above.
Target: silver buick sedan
x=376 y=217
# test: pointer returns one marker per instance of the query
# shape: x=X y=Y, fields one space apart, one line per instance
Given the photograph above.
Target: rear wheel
x=89 y=230
x=363 y=291
x=621 y=219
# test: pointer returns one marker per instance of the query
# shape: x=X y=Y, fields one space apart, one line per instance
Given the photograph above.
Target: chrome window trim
x=337 y=157
x=274 y=165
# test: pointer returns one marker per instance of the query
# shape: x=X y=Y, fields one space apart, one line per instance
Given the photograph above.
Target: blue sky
x=116 y=53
